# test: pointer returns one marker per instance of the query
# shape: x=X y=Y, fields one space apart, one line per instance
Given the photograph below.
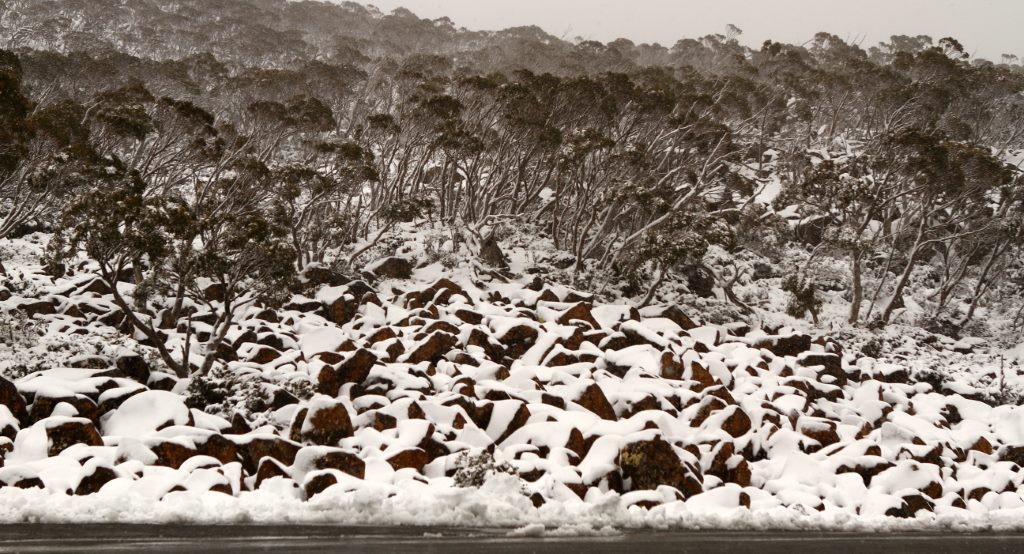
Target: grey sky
x=987 y=28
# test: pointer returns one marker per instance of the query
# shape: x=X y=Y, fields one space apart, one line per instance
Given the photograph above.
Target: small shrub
x=474 y=471
x=873 y=348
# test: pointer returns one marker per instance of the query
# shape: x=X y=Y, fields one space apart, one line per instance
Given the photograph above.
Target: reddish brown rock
x=71 y=432
x=578 y=312
x=324 y=424
x=822 y=431
x=39 y=307
x=518 y=340
x=341 y=460
x=414 y=458
x=353 y=369
x=678 y=317
x=94 y=481
x=319 y=483
x=264 y=355
x=983 y=445
x=342 y=309
x=171 y=453
x=646 y=465
x=218 y=447
x=10 y=397
x=270 y=468
x=738 y=422
x=594 y=399
x=433 y=349
x=392 y=268
x=255 y=449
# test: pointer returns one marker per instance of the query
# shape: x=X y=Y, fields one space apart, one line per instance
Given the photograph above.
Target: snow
x=799 y=466
x=145 y=413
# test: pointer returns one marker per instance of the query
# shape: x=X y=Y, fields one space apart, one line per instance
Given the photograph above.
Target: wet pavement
x=325 y=538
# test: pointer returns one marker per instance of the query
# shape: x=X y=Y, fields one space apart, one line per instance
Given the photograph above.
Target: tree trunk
x=654 y=287
x=856 y=270
x=890 y=306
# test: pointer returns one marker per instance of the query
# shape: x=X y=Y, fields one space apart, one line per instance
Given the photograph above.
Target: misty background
x=987 y=28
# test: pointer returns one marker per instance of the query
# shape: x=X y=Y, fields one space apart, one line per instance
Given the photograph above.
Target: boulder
x=594 y=399
x=171 y=453
x=254 y=449
x=324 y=422
x=65 y=432
x=646 y=465
x=318 y=483
x=737 y=423
x=317 y=458
x=414 y=458
x=433 y=349
x=95 y=475
x=15 y=402
x=393 y=267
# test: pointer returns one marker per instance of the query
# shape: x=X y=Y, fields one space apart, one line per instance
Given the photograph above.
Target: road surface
x=321 y=538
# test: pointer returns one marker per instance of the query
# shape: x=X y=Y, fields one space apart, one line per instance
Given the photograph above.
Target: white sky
x=987 y=28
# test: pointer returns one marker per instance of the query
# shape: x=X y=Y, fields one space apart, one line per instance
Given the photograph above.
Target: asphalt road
x=304 y=538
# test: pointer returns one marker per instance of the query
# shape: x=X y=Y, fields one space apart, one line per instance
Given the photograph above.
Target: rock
x=93 y=481
x=15 y=402
x=831 y=363
x=264 y=355
x=219 y=448
x=491 y=254
x=677 y=316
x=255 y=449
x=391 y=268
x=578 y=312
x=353 y=369
x=132 y=366
x=700 y=282
x=171 y=453
x=1013 y=454
x=594 y=399
x=304 y=305
x=985 y=447
x=912 y=504
x=433 y=349
x=518 y=340
x=239 y=425
x=383 y=422
x=730 y=467
x=318 y=483
x=646 y=465
x=737 y=423
x=88 y=362
x=95 y=286
x=279 y=398
x=701 y=375
x=70 y=431
x=270 y=468
x=215 y=292
x=790 y=345
x=324 y=422
x=820 y=430
x=334 y=458
x=42 y=406
x=342 y=309
x=39 y=307
x=414 y=458
x=317 y=275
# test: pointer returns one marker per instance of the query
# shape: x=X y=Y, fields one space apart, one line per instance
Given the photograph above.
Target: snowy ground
x=454 y=398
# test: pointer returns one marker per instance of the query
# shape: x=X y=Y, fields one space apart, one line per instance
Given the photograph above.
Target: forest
x=235 y=144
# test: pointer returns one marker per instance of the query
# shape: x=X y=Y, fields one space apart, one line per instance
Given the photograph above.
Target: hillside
x=295 y=261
